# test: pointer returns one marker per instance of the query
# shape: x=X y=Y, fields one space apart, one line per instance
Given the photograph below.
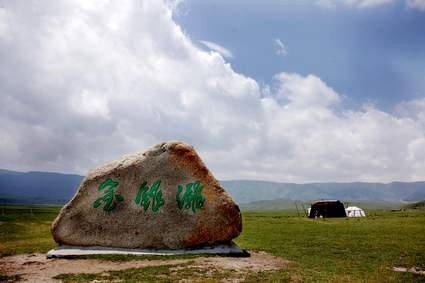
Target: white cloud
x=331 y=4
x=280 y=48
x=92 y=104
x=179 y=7
x=416 y=4
x=4 y=24
x=353 y=3
x=218 y=48
x=303 y=92
x=90 y=84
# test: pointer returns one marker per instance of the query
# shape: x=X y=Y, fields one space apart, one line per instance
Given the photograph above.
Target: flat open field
x=297 y=250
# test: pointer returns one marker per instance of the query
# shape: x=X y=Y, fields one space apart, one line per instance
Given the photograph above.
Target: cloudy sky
x=292 y=91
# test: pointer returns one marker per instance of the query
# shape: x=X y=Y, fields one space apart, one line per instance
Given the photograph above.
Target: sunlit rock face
x=163 y=198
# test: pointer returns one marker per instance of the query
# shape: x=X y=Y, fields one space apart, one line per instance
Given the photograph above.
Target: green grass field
x=322 y=250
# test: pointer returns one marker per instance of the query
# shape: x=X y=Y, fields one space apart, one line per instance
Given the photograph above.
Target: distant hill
x=284 y=204
x=57 y=188
x=37 y=187
x=251 y=191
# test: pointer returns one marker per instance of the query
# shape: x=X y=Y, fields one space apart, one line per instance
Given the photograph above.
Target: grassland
x=336 y=250
x=26 y=229
x=322 y=250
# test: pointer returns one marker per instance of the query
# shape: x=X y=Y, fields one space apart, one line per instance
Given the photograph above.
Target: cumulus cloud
x=218 y=48
x=416 y=4
x=304 y=92
x=353 y=3
x=280 y=48
x=332 y=4
x=85 y=82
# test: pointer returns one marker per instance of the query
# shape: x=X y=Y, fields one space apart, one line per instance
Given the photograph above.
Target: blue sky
x=370 y=55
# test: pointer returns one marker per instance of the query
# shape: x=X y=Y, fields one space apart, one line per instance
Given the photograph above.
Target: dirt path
x=37 y=268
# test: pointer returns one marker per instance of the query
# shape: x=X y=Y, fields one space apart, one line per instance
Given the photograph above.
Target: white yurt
x=354 y=211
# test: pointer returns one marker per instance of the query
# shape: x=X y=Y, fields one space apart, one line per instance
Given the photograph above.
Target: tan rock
x=163 y=198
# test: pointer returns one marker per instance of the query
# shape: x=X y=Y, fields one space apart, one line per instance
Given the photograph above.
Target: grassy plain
x=344 y=249
x=26 y=229
x=321 y=250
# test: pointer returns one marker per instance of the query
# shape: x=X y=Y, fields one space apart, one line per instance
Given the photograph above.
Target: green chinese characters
x=109 y=199
x=147 y=196
x=192 y=197
x=151 y=197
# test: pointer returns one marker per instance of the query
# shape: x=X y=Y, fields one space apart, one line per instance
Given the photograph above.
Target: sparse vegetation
x=162 y=273
x=322 y=250
x=147 y=274
x=420 y=205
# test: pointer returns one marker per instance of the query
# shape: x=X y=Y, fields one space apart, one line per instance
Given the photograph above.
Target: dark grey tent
x=327 y=208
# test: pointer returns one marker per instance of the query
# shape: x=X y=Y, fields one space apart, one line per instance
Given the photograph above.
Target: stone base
x=75 y=251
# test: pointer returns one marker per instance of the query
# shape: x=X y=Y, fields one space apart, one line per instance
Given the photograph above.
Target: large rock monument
x=164 y=198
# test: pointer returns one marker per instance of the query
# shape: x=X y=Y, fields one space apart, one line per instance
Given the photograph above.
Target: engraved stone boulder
x=163 y=198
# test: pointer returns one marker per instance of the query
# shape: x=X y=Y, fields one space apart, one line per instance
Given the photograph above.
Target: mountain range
x=58 y=188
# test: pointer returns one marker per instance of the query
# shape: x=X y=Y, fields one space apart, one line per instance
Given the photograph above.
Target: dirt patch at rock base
x=37 y=268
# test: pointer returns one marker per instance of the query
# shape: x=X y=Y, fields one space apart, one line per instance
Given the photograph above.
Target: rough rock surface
x=162 y=198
